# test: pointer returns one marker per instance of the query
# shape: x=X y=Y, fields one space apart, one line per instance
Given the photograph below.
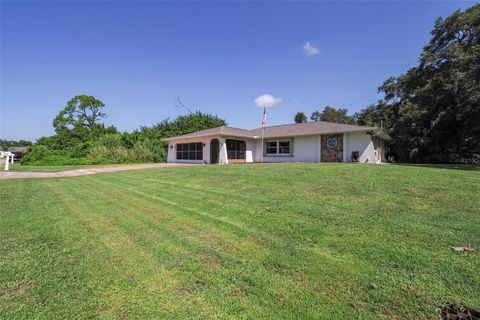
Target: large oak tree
x=433 y=110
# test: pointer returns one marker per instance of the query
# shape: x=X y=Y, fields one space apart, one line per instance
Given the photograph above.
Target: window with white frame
x=190 y=151
x=279 y=148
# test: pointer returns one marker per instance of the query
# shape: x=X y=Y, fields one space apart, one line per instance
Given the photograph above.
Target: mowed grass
x=277 y=241
x=57 y=168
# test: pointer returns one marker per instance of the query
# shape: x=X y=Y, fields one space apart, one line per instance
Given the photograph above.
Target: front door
x=214 y=150
x=332 y=148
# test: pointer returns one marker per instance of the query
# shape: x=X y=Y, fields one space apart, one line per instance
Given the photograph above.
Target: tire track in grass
x=212 y=202
x=17 y=281
x=48 y=259
x=99 y=274
x=190 y=212
x=411 y=223
x=247 y=244
x=136 y=271
x=279 y=242
x=223 y=198
x=181 y=235
x=299 y=217
x=81 y=208
x=195 y=252
x=262 y=292
x=228 y=205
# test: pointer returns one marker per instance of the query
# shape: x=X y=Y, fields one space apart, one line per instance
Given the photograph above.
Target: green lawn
x=56 y=168
x=282 y=241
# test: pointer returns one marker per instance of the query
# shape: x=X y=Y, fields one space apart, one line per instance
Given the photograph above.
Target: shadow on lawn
x=467 y=167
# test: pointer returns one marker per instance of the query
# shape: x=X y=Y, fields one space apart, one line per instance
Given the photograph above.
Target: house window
x=279 y=147
x=271 y=147
x=236 y=149
x=284 y=147
x=190 y=151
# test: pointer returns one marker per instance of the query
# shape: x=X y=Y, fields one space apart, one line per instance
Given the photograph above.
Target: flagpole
x=263 y=128
x=263 y=148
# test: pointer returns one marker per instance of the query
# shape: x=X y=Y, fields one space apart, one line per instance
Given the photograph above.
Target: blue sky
x=218 y=57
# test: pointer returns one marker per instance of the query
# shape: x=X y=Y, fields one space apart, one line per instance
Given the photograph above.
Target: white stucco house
x=317 y=141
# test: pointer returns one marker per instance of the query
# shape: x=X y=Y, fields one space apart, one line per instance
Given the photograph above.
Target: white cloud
x=267 y=100
x=309 y=49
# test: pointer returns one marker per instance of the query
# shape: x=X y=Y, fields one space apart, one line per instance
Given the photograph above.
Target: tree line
x=329 y=114
x=6 y=145
x=433 y=110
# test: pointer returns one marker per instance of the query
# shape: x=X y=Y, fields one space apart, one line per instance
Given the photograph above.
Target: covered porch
x=230 y=150
x=215 y=149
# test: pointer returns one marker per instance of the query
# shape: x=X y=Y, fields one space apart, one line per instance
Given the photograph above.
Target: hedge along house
x=317 y=141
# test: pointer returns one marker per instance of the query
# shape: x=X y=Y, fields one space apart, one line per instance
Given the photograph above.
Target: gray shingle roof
x=308 y=128
x=286 y=130
x=223 y=130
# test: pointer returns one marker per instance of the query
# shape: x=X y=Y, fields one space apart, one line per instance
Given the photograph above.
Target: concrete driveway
x=4 y=175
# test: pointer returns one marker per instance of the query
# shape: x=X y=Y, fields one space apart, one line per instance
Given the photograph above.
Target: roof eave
x=366 y=129
x=383 y=136
x=207 y=136
x=320 y=133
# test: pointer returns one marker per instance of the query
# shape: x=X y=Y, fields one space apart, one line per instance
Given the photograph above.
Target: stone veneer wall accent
x=330 y=154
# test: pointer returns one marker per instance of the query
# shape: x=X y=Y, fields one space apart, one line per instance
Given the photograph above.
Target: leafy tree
x=182 y=125
x=316 y=116
x=81 y=112
x=195 y=122
x=375 y=115
x=436 y=105
x=331 y=114
x=300 y=117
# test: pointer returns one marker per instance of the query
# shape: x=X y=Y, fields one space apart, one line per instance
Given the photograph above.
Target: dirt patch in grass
x=18 y=290
x=213 y=261
x=116 y=259
x=412 y=190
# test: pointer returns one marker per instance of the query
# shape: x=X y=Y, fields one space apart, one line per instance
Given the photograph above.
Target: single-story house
x=316 y=141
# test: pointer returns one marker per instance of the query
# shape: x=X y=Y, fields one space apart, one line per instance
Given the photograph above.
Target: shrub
x=110 y=141
x=142 y=152
x=35 y=154
x=159 y=153
x=120 y=154
x=98 y=152
x=81 y=150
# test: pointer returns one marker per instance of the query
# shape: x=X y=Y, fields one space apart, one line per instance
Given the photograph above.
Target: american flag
x=264 y=118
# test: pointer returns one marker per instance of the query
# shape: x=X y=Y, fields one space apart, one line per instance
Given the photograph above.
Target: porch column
x=319 y=148
x=345 y=144
x=223 y=158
